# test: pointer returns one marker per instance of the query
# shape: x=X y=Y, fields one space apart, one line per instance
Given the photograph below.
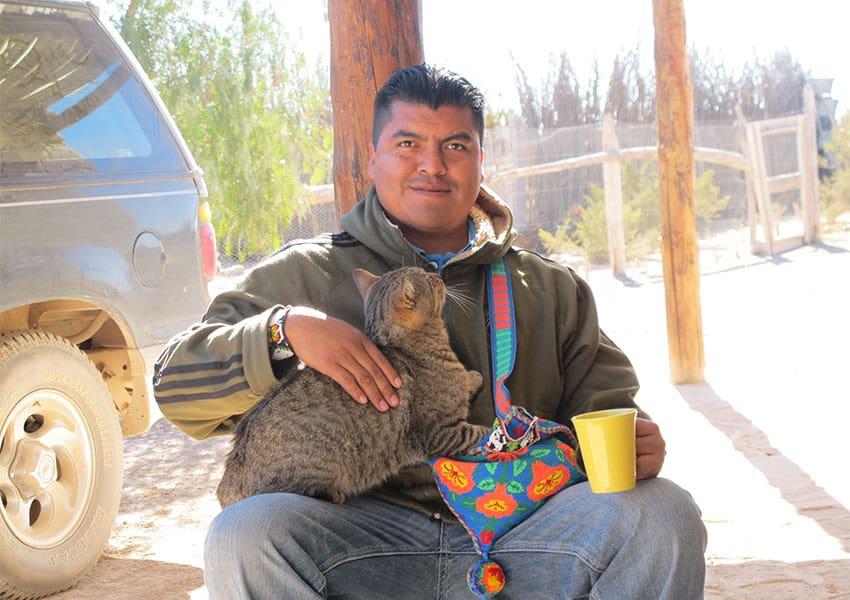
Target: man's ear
x=364 y=281
x=370 y=167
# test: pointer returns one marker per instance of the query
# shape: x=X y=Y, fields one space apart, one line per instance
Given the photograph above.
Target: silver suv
x=106 y=249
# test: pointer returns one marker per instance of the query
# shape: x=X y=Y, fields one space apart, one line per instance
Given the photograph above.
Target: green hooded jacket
x=210 y=375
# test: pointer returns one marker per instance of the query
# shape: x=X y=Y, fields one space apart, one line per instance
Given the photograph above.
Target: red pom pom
x=486 y=578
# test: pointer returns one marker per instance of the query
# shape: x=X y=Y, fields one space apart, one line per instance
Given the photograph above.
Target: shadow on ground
x=794 y=484
x=775 y=579
x=131 y=579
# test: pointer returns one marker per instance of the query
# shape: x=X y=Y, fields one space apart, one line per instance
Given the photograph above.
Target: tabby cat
x=309 y=437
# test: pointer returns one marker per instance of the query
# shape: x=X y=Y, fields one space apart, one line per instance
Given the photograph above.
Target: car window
x=69 y=103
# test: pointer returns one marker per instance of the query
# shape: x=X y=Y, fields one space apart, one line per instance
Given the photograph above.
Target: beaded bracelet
x=279 y=348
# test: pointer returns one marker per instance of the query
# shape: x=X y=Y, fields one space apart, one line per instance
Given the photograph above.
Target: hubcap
x=46 y=468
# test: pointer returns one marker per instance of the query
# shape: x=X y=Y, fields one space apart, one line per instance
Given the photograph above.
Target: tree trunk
x=679 y=251
x=369 y=40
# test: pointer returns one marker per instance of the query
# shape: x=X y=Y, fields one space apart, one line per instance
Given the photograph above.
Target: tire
x=61 y=462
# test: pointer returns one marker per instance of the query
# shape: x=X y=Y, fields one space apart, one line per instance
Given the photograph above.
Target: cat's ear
x=364 y=280
x=408 y=294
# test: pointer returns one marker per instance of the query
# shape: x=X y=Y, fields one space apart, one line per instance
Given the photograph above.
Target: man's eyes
x=455 y=146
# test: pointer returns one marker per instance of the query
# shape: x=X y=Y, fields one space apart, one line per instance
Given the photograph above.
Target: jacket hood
x=494 y=232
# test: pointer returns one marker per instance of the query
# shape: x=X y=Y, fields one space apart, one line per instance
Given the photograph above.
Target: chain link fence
x=558 y=214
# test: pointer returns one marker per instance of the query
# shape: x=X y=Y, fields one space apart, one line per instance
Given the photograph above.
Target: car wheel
x=61 y=461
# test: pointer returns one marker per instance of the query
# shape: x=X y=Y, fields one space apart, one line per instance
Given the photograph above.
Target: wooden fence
x=750 y=160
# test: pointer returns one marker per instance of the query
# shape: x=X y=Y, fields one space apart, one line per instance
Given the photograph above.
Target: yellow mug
x=607 y=442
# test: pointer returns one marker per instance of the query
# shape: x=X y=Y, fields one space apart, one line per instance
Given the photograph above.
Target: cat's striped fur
x=309 y=437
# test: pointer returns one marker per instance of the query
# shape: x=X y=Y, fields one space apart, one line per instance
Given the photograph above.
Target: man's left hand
x=650 y=448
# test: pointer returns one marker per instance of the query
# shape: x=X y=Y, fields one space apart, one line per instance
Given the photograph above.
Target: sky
x=481 y=39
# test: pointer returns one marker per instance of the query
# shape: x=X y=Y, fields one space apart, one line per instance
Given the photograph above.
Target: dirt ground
x=761 y=444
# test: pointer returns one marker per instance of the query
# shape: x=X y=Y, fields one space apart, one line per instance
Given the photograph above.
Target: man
x=427 y=207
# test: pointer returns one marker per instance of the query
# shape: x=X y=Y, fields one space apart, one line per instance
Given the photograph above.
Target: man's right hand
x=343 y=353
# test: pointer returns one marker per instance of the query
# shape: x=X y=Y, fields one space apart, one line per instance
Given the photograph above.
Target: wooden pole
x=679 y=252
x=807 y=166
x=613 y=181
x=755 y=138
x=369 y=40
x=748 y=173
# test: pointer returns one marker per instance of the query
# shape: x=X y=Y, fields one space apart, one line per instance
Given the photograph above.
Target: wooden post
x=369 y=40
x=755 y=138
x=748 y=173
x=807 y=165
x=613 y=182
x=679 y=252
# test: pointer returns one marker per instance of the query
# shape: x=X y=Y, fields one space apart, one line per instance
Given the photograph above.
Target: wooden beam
x=726 y=158
x=676 y=181
x=369 y=40
x=613 y=182
x=746 y=151
x=763 y=200
x=807 y=162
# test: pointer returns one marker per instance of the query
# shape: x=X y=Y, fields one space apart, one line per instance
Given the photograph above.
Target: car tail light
x=209 y=255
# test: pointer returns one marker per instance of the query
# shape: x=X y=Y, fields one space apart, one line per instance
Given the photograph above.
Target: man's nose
x=431 y=162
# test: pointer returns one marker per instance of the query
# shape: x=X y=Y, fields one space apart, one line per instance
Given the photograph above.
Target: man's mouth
x=430 y=189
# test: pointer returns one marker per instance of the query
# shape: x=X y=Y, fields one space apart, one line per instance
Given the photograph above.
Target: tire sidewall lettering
x=81 y=544
x=75 y=389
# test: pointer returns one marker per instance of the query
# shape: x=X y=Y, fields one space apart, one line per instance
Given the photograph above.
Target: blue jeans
x=645 y=543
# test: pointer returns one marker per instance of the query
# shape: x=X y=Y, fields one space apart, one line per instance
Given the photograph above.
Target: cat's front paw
x=473 y=381
x=482 y=432
x=336 y=496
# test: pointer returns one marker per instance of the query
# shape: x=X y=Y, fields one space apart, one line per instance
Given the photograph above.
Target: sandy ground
x=761 y=444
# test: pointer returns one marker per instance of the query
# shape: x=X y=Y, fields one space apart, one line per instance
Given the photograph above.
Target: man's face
x=427 y=171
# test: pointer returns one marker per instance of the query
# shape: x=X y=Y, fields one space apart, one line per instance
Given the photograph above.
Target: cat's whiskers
x=463 y=301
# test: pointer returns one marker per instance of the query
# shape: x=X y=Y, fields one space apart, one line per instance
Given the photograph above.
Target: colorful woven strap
x=502 y=336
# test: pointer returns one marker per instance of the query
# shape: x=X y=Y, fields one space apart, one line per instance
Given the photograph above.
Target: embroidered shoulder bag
x=524 y=461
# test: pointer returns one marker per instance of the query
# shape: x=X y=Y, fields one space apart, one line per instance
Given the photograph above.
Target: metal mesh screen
x=562 y=203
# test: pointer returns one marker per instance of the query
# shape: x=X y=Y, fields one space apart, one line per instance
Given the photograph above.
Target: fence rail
x=734 y=160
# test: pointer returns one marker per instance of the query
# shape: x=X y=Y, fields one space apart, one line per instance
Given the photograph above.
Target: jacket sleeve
x=597 y=374
x=207 y=377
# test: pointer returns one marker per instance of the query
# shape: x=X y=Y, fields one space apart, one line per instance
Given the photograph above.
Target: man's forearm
x=213 y=373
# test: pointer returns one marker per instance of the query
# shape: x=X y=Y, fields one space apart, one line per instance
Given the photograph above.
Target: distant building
x=825 y=105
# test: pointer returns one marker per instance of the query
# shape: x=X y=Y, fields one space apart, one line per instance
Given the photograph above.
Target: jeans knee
x=664 y=507
x=225 y=536
x=244 y=528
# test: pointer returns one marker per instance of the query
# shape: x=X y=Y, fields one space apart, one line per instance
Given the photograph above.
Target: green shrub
x=587 y=228
x=835 y=191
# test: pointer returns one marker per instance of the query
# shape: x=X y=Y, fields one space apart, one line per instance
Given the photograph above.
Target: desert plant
x=835 y=191
x=707 y=199
x=587 y=227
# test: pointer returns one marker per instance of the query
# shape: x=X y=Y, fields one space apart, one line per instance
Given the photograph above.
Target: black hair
x=431 y=86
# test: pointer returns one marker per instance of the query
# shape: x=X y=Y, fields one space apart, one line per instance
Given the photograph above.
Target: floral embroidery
x=497 y=504
x=506 y=456
x=569 y=453
x=487 y=536
x=455 y=474
x=547 y=480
